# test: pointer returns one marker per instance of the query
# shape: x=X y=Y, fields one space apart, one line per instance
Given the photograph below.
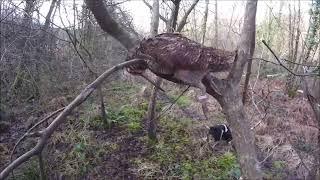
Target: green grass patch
x=183 y=101
x=277 y=171
x=174 y=153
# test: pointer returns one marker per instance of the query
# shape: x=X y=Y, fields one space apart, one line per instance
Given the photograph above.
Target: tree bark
x=185 y=17
x=155 y=18
x=109 y=25
x=291 y=86
x=204 y=24
x=174 y=15
x=49 y=15
x=244 y=139
x=312 y=92
x=152 y=128
x=150 y=7
x=151 y=119
x=248 y=74
x=216 y=24
x=230 y=100
x=204 y=104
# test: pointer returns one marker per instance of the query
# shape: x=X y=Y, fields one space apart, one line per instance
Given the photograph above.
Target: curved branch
x=47 y=132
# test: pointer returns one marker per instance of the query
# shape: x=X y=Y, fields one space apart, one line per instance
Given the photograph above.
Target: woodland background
x=47 y=59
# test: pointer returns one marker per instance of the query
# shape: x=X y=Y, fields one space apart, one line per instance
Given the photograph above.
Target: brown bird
x=179 y=59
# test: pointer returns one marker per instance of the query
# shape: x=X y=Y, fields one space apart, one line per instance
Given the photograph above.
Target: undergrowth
x=76 y=151
x=183 y=101
x=174 y=155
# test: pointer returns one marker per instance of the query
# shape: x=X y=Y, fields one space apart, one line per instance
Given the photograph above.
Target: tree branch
x=109 y=25
x=247 y=43
x=47 y=132
x=32 y=128
x=280 y=63
x=160 y=16
x=185 y=17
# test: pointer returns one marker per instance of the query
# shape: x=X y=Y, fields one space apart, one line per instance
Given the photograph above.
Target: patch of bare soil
x=118 y=164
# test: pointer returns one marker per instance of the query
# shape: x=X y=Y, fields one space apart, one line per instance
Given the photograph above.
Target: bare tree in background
x=204 y=104
x=294 y=32
x=216 y=24
x=204 y=23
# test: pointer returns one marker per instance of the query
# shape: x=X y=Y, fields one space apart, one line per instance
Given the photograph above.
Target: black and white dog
x=220 y=132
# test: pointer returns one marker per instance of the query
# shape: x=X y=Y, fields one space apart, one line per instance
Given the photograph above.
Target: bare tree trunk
x=244 y=139
x=184 y=18
x=151 y=119
x=216 y=24
x=312 y=92
x=230 y=100
x=49 y=15
x=314 y=25
x=248 y=74
x=155 y=18
x=102 y=106
x=291 y=86
x=204 y=24
x=174 y=15
x=204 y=104
x=152 y=128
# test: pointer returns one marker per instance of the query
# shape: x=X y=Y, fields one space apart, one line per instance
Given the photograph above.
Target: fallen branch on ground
x=32 y=128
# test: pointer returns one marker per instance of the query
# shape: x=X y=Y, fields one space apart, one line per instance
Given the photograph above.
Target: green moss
x=292 y=92
x=134 y=126
x=224 y=167
x=127 y=115
x=276 y=171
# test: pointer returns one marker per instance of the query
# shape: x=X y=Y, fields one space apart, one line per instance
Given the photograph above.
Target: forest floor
x=87 y=147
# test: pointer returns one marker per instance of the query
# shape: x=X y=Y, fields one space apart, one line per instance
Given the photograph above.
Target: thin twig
x=273 y=53
x=163 y=112
x=270 y=153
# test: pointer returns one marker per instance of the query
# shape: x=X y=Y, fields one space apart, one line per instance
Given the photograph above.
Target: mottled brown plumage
x=179 y=59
